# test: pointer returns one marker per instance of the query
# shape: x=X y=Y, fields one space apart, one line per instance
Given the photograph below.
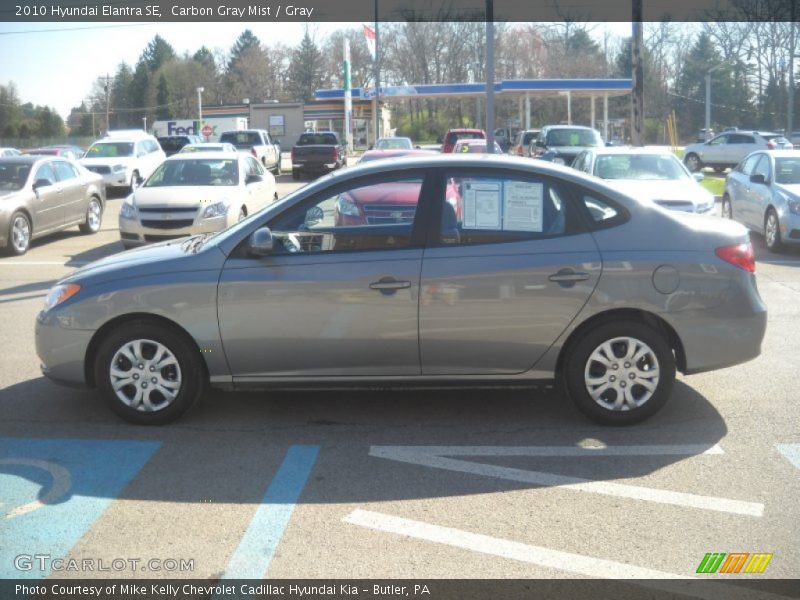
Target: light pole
x=708 y=100
x=200 y=91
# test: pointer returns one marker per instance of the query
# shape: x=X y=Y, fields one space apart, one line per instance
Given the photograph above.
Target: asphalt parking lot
x=371 y=484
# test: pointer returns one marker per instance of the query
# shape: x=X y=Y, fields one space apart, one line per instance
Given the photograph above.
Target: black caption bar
x=395 y=589
x=391 y=10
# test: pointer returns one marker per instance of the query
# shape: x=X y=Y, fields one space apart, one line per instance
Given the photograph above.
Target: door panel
x=317 y=315
x=494 y=309
x=48 y=205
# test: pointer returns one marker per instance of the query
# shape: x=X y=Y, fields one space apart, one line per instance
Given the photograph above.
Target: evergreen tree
x=163 y=99
x=244 y=42
x=157 y=52
x=121 y=97
x=306 y=72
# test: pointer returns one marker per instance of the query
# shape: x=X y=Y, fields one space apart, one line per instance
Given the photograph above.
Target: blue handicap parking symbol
x=52 y=490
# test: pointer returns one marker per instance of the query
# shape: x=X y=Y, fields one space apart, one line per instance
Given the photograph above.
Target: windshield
x=787 y=171
x=195 y=172
x=573 y=137
x=241 y=138
x=639 y=166
x=317 y=139
x=13 y=176
x=110 y=149
x=393 y=144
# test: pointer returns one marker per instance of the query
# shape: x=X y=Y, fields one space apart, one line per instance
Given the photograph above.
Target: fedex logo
x=194 y=129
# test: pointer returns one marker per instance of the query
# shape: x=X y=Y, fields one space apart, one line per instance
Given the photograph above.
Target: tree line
x=748 y=63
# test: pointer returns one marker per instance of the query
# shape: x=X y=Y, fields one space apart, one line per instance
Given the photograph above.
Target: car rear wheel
x=693 y=162
x=772 y=231
x=620 y=373
x=727 y=209
x=148 y=374
x=19 y=234
x=94 y=217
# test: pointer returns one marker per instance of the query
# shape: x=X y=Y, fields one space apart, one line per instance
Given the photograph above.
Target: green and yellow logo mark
x=736 y=562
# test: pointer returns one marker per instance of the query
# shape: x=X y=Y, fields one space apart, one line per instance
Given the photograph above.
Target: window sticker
x=523 y=206
x=482 y=206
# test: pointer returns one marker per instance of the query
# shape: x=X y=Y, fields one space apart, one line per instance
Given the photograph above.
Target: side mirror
x=40 y=183
x=261 y=242
x=417 y=147
x=758 y=178
x=539 y=143
x=139 y=180
x=253 y=178
x=698 y=177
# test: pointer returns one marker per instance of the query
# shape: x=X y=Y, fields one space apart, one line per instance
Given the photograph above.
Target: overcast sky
x=55 y=64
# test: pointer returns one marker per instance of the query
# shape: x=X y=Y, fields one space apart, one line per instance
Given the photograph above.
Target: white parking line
x=436 y=457
x=587 y=566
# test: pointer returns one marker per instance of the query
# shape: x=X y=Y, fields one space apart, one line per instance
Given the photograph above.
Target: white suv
x=122 y=157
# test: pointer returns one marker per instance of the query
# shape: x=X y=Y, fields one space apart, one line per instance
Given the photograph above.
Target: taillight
x=739 y=255
x=771 y=145
x=253 y=152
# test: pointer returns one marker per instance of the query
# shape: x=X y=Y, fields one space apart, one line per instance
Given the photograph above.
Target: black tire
x=693 y=162
x=296 y=175
x=577 y=363
x=91 y=225
x=13 y=248
x=774 y=242
x=727 y=207
x=190 y=372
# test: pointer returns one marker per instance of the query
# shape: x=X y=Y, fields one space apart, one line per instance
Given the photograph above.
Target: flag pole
x=377 y=109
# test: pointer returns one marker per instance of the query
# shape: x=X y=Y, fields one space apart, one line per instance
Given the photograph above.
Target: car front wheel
x=148 y=374
x=620 y=373
x=19 y=234
x=772 y=231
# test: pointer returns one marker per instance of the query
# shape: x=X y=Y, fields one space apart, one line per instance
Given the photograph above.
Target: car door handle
x=389 y=283
x=568 y=276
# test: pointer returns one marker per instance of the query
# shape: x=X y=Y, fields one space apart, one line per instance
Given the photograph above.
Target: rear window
x=454 y=136
x=528 y=137
x=241 y=138
x=573 y=137
x=317 y=139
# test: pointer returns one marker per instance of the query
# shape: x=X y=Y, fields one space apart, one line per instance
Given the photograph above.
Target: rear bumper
x=726 y=335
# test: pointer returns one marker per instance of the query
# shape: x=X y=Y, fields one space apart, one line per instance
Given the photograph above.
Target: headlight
x=218 y=209
x=128 y=211
x=118 y=168
x=346 y=207
x=59 y=294
x=794 y=206
x=558 y=161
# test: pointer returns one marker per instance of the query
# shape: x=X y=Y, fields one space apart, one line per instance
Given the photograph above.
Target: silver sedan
x=763 y=193
x=435 y=270
x=40 y=195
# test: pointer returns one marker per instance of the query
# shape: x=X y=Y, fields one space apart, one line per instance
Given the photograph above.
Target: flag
x=369 y=34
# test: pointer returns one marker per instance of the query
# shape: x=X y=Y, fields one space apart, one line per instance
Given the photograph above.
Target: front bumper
x=114 y=178
x=160 y=228
x=314 y=167
x=790 y=227
x=61 y=349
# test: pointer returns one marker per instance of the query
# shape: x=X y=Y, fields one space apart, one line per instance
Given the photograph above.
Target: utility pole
x=708 y=101
x=377 y=77
x=637 y=100
x=490 y=76
x=790 y=108
x=107 y=104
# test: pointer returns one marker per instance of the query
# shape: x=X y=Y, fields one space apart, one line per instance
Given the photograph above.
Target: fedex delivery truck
x=192 y=127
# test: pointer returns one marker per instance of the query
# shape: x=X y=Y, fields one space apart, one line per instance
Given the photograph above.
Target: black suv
x=560 y=144
x=172 y=144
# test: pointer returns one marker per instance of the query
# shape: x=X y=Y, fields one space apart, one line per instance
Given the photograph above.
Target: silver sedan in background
x=763 y=193
x=42 y=194
x=463 y=269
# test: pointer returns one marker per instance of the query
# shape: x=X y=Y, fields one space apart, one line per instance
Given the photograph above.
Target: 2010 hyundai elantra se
x=475 y=270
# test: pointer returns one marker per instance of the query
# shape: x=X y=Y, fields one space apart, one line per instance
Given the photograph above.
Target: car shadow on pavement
x=230 y=445
x=93 y=254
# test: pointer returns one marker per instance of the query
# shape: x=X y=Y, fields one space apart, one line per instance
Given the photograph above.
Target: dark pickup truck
x=317 y=152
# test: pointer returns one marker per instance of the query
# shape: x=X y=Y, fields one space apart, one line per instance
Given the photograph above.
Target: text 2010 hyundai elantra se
x=459 y=269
